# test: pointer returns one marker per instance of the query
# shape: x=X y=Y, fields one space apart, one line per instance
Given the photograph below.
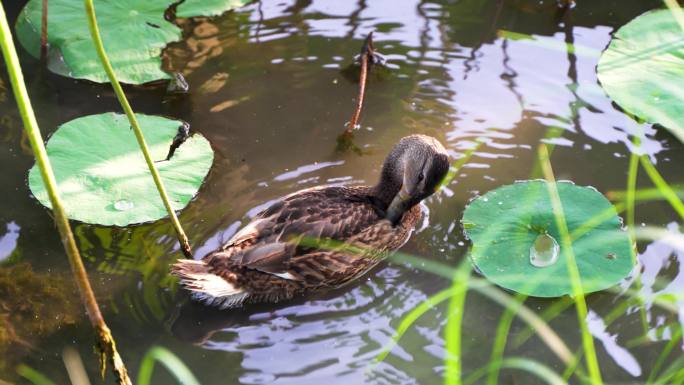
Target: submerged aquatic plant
x=32 y=305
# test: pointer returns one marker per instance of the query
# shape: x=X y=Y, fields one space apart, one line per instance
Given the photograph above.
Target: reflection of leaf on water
x=203 y=41
x=3 y=91
x=214 y=84
x=228 y=104
x=9 y=127
x=32 y=306
x=140 y=259
x=147 y=252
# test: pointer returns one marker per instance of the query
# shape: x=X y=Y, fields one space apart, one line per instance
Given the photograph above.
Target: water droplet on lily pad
x=514 y=245
x=123 y=205
x=544 y=251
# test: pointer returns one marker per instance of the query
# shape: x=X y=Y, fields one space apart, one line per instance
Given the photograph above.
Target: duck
x=322 y=237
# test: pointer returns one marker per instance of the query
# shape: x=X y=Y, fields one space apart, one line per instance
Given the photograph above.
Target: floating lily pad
x=134 y=34
x=191 y=8
x=512 y=224
x=642 y=69
x=102 y=175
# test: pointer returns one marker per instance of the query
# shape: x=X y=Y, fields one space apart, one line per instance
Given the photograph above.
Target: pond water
x=268 y=91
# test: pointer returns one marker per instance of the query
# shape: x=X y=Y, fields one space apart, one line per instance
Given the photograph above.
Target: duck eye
x=421 y=176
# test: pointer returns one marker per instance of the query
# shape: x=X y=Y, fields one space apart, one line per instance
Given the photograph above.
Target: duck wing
x=286 y=232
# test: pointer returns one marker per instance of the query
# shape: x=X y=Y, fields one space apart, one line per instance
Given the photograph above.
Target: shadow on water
x=268 y=90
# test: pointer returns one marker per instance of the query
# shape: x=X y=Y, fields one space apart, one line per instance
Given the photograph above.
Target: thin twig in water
x=43 y=32
x=106 y=344
x=365 y=58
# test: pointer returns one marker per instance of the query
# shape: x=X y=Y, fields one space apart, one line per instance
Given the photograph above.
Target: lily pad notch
x=514 y=224
x=103 y=177
x=136 y=59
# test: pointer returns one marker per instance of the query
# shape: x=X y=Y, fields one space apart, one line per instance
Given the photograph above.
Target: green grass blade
x=652 y=233
x=676 y=11
x=664 y=188
x=549 y=43
x=500 y=339
x=410 y=319
x=645 y=194
x=632 y=174
x=36 y=377
x=548 y=315
x=566 y=248
x=452 y=334
x=674 y=341
x=520 y=363
x=456 y=166
x=674 y=375
x=172 y=363
x=121 y=96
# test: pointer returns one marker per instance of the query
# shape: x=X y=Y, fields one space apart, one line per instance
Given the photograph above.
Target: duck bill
x=398 y=206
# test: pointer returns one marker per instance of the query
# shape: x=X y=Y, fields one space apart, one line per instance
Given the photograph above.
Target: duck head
x=412 y=172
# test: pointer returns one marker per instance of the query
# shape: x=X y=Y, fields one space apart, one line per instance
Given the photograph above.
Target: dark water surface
x=268 y=92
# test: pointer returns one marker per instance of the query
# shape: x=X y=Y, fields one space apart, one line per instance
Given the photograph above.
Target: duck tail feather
x=207 y=287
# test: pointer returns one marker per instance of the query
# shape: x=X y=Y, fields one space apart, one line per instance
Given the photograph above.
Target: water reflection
x=8 y=242
x=663 y=275
x=336 y=335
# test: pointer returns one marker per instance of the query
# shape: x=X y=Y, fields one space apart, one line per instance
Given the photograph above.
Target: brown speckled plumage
x=313 y=239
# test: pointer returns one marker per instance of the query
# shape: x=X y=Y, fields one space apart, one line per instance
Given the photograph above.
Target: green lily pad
x=192 y=8
x=642 y=69
x=134 y=33
x=102 y=175
x=509 y=223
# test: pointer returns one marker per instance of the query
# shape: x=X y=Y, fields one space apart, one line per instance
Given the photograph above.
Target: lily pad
x=102 y=175
x=513 y=223
x=642 y=69
x=134 y=33
x=192 y=8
